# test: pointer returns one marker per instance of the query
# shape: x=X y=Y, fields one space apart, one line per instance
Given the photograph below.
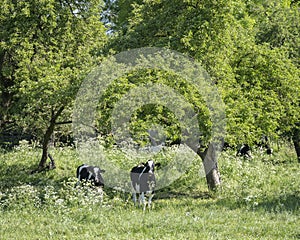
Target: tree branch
x=64 y=122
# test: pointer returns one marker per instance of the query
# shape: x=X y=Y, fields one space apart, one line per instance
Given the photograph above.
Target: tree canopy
x=249 y=48
x=46 y=49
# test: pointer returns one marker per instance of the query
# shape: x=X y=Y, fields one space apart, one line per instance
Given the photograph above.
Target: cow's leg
x=151 y=194
x=133 y=193
x=134 y=197
x=142 y=200
x=141 y=196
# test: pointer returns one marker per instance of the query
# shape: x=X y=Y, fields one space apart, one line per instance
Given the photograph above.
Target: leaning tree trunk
x=297 y=148
x=47 y=138
x=45 y=145
x=296 y=141
x=210 y=163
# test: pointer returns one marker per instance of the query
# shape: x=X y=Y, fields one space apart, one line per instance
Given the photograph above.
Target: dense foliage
x=46 y=49
x=250 y=49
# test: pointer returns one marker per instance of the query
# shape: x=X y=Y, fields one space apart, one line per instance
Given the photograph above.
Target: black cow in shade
x=90 y=173
x=244 y=151
x=143 y=182
x=264 y=144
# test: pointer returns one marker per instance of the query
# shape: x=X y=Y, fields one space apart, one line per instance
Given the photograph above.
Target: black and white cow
x=90 y=173
x=264 y=144
x=143 y=182
x=244 y=151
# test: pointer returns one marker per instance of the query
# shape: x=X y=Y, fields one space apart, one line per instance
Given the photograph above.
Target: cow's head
x=98 y=177
x=150 y=165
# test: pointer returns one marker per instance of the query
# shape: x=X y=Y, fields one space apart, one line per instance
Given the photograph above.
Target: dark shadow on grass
x=179 y=195
x=289 y=202
x=17 y=174
x=13 y=175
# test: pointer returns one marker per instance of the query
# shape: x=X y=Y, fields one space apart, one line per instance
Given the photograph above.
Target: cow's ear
x=102 y=170
x=157 y=165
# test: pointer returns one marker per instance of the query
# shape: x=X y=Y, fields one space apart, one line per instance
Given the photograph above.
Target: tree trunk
x=6 y=86
x=45 y=145
x=209 y=158
x=296 y=142
x=47 y=138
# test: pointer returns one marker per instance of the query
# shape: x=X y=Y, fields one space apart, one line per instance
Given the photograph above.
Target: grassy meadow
x=259 y=199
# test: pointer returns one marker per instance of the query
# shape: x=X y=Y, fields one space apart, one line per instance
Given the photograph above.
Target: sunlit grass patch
x=258 y=199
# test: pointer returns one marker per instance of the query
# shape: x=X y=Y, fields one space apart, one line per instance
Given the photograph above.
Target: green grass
x=259 y=199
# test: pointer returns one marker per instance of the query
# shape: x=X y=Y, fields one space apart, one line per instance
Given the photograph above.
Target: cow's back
x=134 y=175
x=83 y=172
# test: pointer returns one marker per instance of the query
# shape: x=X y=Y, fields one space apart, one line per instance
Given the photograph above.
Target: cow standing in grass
x=143 y=182
x=92 y=174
